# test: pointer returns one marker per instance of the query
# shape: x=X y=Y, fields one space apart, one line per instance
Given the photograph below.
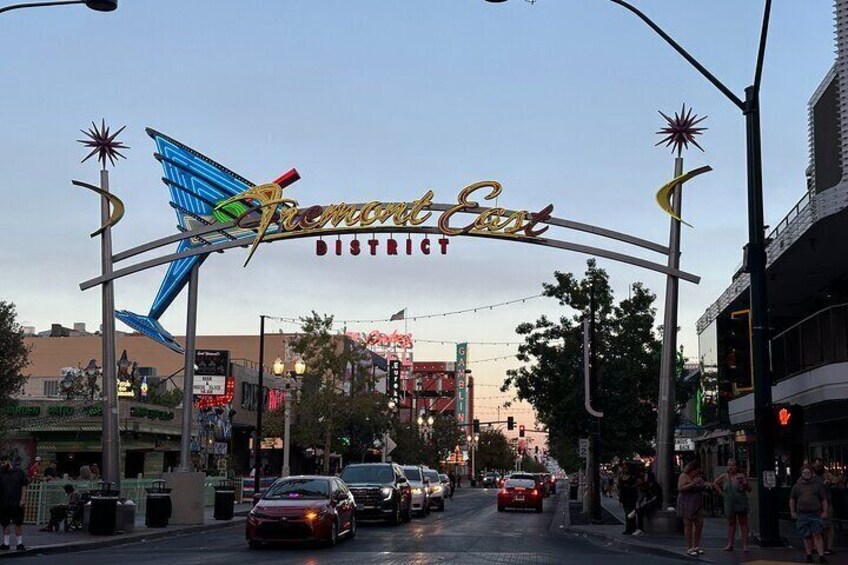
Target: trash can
x=225 y=500
x=104 y=510
x=572 y=491
x=126 y=511
x=158 y=510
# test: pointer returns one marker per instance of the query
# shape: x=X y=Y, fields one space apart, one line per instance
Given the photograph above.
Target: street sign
x=210 y=377
x=583 y=448
x=390 y=444
x=769 y=479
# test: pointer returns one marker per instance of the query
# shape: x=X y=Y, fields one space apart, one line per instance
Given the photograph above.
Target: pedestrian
x=13 y=482
x=628 y=496
x=50 y=471
x=690 y=503
x=733 y=487
x=34 y=470
x=85 y=473
x=808 y=507
x=59 y=512
x=459 y=480
x=827 y=479
x=650 y=499
x=95 y=472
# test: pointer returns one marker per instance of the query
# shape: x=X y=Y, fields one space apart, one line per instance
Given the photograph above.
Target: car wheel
x=395 y=519
x=501 y=508
x=352 y=533
x=334 y=534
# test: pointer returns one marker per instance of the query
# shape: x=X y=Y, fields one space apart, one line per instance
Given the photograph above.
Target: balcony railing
x=818 y=340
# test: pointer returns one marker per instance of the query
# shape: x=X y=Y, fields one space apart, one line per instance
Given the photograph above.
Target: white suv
x=437 y=491
x=420 y=493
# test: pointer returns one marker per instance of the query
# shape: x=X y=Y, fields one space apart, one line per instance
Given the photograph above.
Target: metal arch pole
x=188 y=381
x=41 y=5
x=260 y=405
x=668 y=363
x=287 y=433
x=110 y=440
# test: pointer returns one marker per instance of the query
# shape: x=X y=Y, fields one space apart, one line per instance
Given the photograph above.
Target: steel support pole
x=188 y=372
x=260 y=405
x=668 y=364
x=111 y=439
x=287 y=434
x=755 y=254
x=595 y=422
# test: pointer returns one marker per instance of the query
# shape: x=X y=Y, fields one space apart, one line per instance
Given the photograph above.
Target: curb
x=123 y=539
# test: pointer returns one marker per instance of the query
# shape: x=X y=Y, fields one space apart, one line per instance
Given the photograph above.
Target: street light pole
x=755 y=265
x=260 y=404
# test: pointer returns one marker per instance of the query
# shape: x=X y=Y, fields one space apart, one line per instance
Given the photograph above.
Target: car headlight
x=417 y=490
x=259 y=515
x=387 y=492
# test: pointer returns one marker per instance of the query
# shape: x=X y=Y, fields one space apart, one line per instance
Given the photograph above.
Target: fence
x=41 y=495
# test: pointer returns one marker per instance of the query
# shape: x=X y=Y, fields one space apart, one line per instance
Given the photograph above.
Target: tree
x=14 y=358
x=446 y=435
x=493 y=451
x=530 y=465
x=628 y=353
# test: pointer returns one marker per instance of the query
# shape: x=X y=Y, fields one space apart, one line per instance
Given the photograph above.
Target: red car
x=520 y=492
x=302 y=508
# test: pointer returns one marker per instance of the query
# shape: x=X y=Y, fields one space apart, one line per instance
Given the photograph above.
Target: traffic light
x=521 y=430
x=784 y=416
x=510 y=422
x=476 y=426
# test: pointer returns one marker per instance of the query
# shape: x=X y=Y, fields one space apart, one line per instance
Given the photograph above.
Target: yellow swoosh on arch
x=268 y=195
x=117 y=206
x=664 y=193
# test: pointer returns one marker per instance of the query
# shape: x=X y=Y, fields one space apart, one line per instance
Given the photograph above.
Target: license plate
x=519 y=498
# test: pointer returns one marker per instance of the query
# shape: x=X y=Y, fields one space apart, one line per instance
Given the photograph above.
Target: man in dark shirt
x=13 y=482
x=808 y=507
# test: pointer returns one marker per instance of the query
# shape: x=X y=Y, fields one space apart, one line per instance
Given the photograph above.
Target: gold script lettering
x=465 y=204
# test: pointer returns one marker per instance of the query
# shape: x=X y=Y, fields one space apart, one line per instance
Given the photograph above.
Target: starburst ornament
x=681 y=131
x=104 y=145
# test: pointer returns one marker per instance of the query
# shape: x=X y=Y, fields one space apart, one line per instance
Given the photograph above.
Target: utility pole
x=595 y=422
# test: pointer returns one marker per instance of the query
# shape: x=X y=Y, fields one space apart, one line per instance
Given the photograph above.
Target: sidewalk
x=60 y=542
x=713 y=539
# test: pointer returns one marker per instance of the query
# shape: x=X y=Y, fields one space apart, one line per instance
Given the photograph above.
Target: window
x=51 y=389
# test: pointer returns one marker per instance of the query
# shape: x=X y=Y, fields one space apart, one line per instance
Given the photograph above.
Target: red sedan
x=302 y=508
x=520 y=493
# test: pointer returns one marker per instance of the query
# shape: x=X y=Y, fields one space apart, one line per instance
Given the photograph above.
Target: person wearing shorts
x=13 y=482
x=808 y=507
x=733 y=487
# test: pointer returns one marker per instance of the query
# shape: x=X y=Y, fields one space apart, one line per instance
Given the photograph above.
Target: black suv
x=380 y=491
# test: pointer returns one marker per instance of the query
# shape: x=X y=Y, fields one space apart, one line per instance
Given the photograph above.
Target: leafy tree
x=411 y=447
x=446 y=435
x=493 y=451
x=628 y=353
x=530 y=465
x=14 y=358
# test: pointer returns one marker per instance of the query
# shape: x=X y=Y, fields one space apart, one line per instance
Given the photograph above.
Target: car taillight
x=534 y=492
x=503 y=491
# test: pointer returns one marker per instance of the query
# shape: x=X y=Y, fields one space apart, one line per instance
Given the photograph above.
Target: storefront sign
x=22 y=411
x=125 y=389
x=210 y=377
x=288 y=218
x=150 y=413
x=380 y=339
x=684 y=444
x=461 y=383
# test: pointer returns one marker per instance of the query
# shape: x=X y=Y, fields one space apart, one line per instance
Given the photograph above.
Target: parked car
x=420 y=492
x=302 y=508
x=437 y=491
x=490 y=480
x=446 y=484
x=520 y=492
x=380 y=491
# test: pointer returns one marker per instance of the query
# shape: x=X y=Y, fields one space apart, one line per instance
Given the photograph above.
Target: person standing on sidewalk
x=628 y=495
x=733 y=487
x=690 y=504
x=829 y=482
x=13 y=482
x=808 y=507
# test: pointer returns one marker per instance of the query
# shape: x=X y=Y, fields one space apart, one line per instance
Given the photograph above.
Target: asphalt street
x=470 y=531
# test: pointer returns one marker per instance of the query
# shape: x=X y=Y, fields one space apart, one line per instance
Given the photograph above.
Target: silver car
x=437 y=491
x=420 y=492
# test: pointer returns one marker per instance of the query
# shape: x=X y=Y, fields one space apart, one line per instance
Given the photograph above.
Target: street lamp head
x=392 y=405
x=469 y=439
x=102 y=5
x=430 y=420
x=279 y=367
x=420 y=420
x=300 y=367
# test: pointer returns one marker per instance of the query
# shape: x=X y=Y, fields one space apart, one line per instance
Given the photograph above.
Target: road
x=469 y=532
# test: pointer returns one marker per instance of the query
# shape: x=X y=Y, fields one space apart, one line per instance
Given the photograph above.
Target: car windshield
x=444 y=478
x=368 y=474
x=526 y=483
x=432 y=475
x=412 y=473
x=298 y=488
x=492 y=475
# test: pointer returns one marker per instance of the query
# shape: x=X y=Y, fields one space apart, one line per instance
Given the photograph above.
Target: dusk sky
x=385 y=100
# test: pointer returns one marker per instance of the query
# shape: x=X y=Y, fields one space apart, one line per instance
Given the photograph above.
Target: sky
x=558 y=101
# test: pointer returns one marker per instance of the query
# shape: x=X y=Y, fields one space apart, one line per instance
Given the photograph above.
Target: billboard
x=210 y=373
